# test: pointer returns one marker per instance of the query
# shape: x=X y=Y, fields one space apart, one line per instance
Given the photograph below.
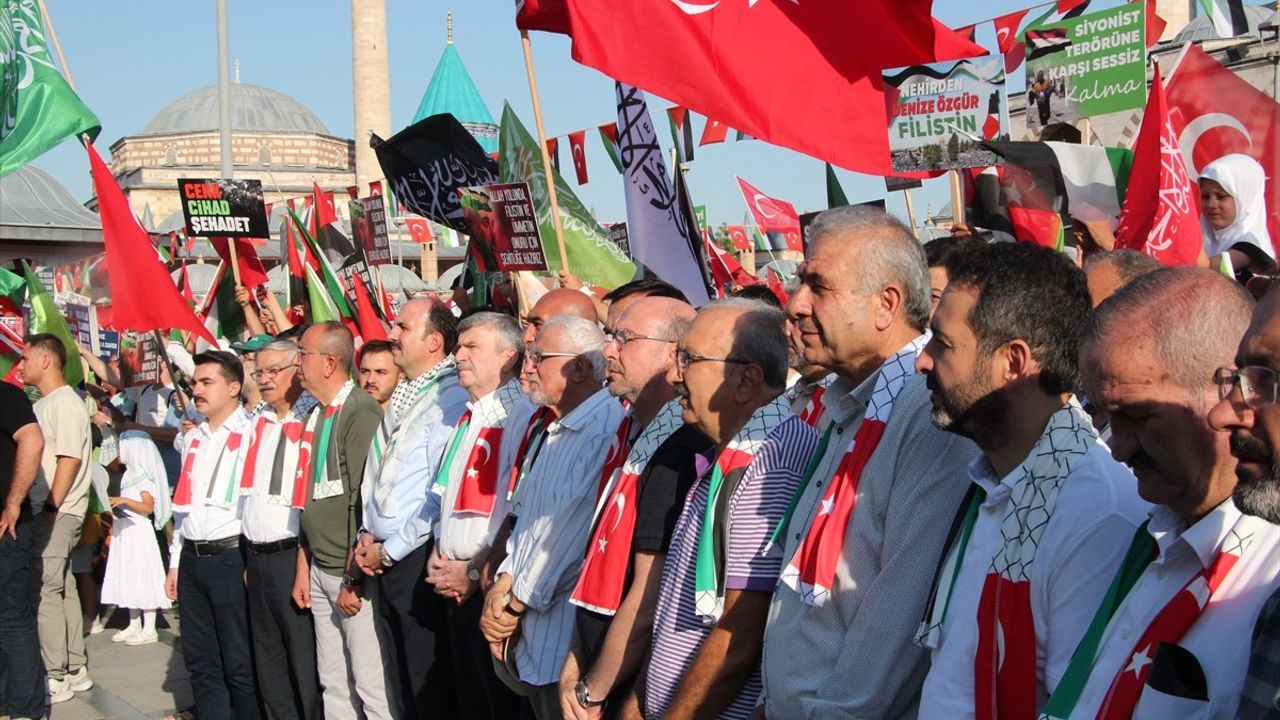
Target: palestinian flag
x=46 y=317
x=323 y=308
x=323 y=269
x=1046 y=41
x=1228 y=17
x=223 y=316
x=13 y=292
x=681 y=130
x=991 y=126
x=835 y=193
x=609 y=136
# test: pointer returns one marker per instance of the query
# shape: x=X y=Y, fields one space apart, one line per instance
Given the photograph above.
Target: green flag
x=835 y=193
x=13 y=291
x=47 y=318
x=38 y=109
x=323 y=308
x=593 y=257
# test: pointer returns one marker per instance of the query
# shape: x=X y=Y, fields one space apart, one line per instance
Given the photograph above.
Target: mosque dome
x=253 y=109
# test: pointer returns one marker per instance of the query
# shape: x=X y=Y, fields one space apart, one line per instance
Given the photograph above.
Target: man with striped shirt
x=730 y=370
x=551 y=508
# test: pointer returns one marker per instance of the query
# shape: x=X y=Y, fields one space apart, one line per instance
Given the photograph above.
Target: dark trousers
x=480 y=691
x=215 y=635
x=410 y=621
x=22 y=678
x=284 y=638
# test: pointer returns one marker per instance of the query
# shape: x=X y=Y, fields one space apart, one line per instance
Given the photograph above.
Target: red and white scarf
x=222 y=488
x=604 y=570
x=618 y=451
x=273 y=450
x=478 y=476
x=323 y=478
x=812 y=569
x=530 y=443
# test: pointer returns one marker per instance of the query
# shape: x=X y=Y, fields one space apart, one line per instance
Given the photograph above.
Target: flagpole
x=957 y=199
x=57 y=46
x=911 y=212
x=542 y=146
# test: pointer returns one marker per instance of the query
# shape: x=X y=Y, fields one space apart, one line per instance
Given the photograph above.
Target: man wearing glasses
x=283 y=636
x=1171 y=636
x=1248 y=411
x=551 y=505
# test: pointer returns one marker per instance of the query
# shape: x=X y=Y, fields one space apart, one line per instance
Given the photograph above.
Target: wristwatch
x=584 y=695
x=473 y=572
x=350 y=581
x=384 y=558
x=506 y=606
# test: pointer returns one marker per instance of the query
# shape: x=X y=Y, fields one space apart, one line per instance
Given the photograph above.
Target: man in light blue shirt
x=395 y=536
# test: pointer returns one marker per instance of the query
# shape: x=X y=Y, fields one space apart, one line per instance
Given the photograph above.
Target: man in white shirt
x=552 y=507
x=284 y=640
x=468 y=499
x=206 y=546
x=1049 y=513
x=1171 y=639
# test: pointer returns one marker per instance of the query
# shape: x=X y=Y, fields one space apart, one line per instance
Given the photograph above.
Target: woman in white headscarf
x=135 y=574
x=1233 y=213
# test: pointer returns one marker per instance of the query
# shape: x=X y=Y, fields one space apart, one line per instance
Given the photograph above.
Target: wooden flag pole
x=911 y=212
x=235 y=262
x=542 y=146
x=57 y=46
x=957 y=199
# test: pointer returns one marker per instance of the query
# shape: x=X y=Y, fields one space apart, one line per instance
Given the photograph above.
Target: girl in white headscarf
x=1233 y=213
x=135 y=574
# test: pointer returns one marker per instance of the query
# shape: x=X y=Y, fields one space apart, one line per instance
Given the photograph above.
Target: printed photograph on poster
x=139 y=360
x=503 y=227
x=1085 y=66
x=369 y=229
x=223 y=208
x=943 y=110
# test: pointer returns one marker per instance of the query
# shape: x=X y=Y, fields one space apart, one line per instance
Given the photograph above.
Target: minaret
x=371 y=86
x=1176 y=13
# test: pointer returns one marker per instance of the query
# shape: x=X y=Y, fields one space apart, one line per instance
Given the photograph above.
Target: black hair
x=440 y=319
x=49 y=343
x=228 y=364
x=946 y=252
x=646 y=287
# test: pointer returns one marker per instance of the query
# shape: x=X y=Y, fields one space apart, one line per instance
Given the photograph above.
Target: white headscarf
x=140 y=458
x=1245 y=181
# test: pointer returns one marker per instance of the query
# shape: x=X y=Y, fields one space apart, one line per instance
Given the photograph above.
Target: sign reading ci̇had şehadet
x=223 y=208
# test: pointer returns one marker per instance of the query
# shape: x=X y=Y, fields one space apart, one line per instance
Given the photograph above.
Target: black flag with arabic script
x=428 y=161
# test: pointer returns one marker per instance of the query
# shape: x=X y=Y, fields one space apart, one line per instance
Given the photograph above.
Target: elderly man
x=1170 y=638
x=622 y=297
x=341 y=429
x=283 y=639
x=62 y=495
x=551 y=504
x=730 y=370
x=206 y=545
x=841 y=634
x=394 y=540
x=645 y=481
x=468 y=499
x=1109 y=271
x=378 y=373
x=1049 y=511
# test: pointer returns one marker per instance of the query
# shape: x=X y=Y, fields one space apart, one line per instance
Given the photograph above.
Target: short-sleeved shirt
x=755 y=509
x=15 y=414
x=65 y=424
x=664 y=483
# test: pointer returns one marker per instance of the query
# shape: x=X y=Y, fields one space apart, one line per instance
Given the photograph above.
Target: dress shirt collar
x=1205 y=538
x=234 y=423
x=579 y=417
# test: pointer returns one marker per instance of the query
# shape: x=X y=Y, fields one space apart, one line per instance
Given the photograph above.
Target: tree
x=953 y=147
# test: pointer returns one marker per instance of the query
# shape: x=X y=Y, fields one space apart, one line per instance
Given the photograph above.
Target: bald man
x=561 y=301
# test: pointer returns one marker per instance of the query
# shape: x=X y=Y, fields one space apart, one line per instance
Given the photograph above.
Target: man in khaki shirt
x=62 y=496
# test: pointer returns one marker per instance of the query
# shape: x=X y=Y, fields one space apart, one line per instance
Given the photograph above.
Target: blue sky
x=132 y=57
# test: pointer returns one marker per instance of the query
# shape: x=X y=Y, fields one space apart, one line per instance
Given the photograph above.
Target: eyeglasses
x=270 y=373
x=622 y=337
x=302 y=354
x=535 y=357
x=1258 y=385
x=684 y=359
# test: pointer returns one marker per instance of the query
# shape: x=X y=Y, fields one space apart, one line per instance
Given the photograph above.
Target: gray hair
x=1128 y=264
x=1193 y=316
x=288 y=347
x=891 y=255
x=504 y=327
x=583 y=337
x=760 y=336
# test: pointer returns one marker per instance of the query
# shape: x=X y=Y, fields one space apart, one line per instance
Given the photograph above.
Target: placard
x=700 y=213
x=942 y=110
x=503 y=227
x=1086 y=66
x=369 y=229
x=108 y=343
x=139 y=360
x=82 y=321
x=223 y=208
x=618 y=236
x=894 y=184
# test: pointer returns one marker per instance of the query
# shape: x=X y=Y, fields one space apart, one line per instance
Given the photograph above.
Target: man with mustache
x=646 y=475
x=378 y=373
x=871 y=519
x=1048 y=512
x=1248 y=411
x=1170 y=637
x=283 y=637
x=206 y=546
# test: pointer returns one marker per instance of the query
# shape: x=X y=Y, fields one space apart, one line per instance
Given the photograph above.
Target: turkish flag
x=1155 y=23
x=252 y=272
x=353 y=191
x=1215 y=113
x=713 y=132
x=1007 y=39
x=545 y=15
x=419 y=230
x=375 y=188
x=143 y=295
x=1161 y=215
x=325 y=210
x=578 y=149
x=817 y=90
x=479 y=486
x=772 y=214
x=738 y=234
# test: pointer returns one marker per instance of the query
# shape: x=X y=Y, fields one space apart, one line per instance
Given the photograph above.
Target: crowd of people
x=968 y=480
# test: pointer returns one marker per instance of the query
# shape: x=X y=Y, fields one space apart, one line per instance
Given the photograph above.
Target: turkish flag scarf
x=478 y=475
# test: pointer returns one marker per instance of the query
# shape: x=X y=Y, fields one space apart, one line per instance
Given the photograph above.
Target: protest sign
x=83 y=323
x=369 y=228
x=223 y=208
x=503 y=227
x=1085 y=66
x=108 y=343
x=700 y=213
x=618 y=235
x=894 y=184
x=139 y=360
x=942 y=110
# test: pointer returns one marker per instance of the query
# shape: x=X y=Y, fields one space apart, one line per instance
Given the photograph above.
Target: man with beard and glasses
x=1048 y=513
x=1248 y=411
x=1170 y=637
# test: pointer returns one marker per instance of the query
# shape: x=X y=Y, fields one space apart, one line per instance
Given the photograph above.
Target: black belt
x=209 y=548
x=272 y=547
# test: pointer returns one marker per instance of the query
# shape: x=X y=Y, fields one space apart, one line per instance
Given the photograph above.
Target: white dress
x=135 y=574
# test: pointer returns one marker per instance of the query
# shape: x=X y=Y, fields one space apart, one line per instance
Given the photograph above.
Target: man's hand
x=301 y=591
x=449 y=577
x=369 y=558
x=9 y=520
x=171 y=584
x=349 y=600
x=496 y=624
x=243 y=297
x=571 y=281
x=569 y=706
